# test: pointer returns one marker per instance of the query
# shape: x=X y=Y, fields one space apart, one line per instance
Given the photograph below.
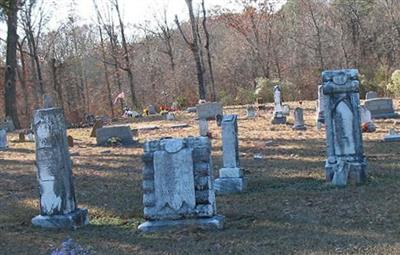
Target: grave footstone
x=279 y=117
x=177 y=185
x=371 y=95
x=320 y=118
x=58 y=207
x=98 y=124
x=366 y=120
x=345 y=155
x=381 y=108
x=231 y=178
x=3 y=139
x=122 y=132
x=299 y=119
x=392 y=136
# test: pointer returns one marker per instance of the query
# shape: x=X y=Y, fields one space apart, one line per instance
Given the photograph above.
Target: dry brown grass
x=287 y=209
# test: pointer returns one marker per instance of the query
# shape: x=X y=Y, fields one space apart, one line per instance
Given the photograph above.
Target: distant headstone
x=3 y=139
x=177 y=185
x=170 y=116
x=122 y=132
x=90 y=119
x=98 y=124
x=371 y=95
x=366 y=120
x=279 y=117
x=345 y=155
x=191 y=110
x=152 y=109
x=381 y=108
x=70 y=141
x=286 y=110
x=320 y=108
x=251 y=112
x=58 y=208
x=208 y=111
x=21 y=137
x=231 y=179
x=299 y=119
x=392 y=136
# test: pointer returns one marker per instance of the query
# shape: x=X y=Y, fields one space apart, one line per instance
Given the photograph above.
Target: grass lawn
x=287 y=209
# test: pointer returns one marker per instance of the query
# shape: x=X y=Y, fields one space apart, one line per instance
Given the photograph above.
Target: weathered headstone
x=320 y=108
x=278 y=118
x=98 y=124
x=208 y=111
x=286 y=110
x=381 y=108
x=345 y=155
x=231 y=179
x=392 y=136
x=124 y=133
x=58 y=208
x=251 y=112
x=3 y=139
x=152 y=109
x=366 y=120
x=371 y=95
x=299 y=119
x=191 y=110
x=177 y=185
x=170 y=116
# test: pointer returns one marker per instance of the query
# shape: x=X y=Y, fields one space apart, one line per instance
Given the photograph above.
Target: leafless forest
x=218 y=54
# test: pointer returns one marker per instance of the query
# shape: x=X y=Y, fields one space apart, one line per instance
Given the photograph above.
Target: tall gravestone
x=320 y=108
x=3 y=139
x=279 y=117
x=58 y=208
x=345 y=155
x=231 y=179
x=299 y=119
x=177 y=185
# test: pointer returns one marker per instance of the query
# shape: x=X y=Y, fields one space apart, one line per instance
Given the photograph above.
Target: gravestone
x=203 y=127
x=152 y=110
x=177 y=185
x=191 y=110
x=231 y=179
x=345 y=156
x=208 y=111
x=286 y=110
x=3 y=139
x=98 y=124
x=299 y=119
x=170 y=116
x=366 y=120
x=58 y=207
x=278 y=118
x=251 y=112
x=124 y=133
x=320 y=108
x=392 y=136
x=371 y=95
x=381 y=108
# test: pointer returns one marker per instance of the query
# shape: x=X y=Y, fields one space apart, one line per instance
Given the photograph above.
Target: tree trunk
x=11 y=63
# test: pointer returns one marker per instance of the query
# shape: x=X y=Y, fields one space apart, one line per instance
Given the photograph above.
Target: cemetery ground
x=288 y=207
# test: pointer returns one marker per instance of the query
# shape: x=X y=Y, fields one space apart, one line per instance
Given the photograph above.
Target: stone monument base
x=341 y=174
x=299 y=127
x=279 y=120
x=71 y=220
x=212 y=223
x=225 y=185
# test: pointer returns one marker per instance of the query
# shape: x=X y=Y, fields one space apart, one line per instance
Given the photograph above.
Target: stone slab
x=208 y=111
x=71 y=220
x=230 y=172
x=381 y=108
x=122 y=132
x=212 y=223
x=229 y=185
x=391 y=138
